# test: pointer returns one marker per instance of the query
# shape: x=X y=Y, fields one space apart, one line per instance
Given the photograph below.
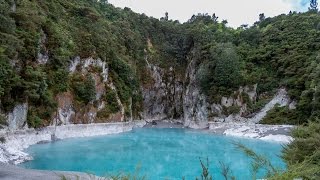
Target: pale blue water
x=160 y=153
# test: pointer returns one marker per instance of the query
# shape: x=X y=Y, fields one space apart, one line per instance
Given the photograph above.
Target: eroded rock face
x=66 y=111
x=163 y=99
x=194 y=103
x=168 y=96
x=85 y=64
x=17 y=119
x=281 y=99
x=88 y=113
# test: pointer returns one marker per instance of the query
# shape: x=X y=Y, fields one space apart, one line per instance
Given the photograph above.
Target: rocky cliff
x=171 y=97
x=168 y=95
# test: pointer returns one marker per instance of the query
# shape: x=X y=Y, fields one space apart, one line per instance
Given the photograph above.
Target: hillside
x=86 y=61
x=64 y=60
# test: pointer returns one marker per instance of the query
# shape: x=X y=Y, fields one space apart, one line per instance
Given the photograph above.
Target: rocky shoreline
x=11 y=152
x=273 y=133
x=11 y=172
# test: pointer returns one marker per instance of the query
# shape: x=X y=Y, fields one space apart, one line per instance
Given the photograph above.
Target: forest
x=277 y=52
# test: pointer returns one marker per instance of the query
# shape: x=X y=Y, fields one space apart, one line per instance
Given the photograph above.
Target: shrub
x=111 y=99
x=59 y=81
x=83 y=87
x=112 y=105
x=230 y=110
x=34 y=121
x=281 y=115
x=303 y=154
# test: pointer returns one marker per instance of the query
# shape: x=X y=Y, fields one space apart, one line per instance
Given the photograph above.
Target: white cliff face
x=194 y=103
x=65 y=115
x=153 y=97
x=65 y=112
x=74 y=64
x=17 y=119
x=281 y=99
x=85 y=65
x=88 y=114
x=163 y=99
x=164 y=96
x=237 y=99
x=275 y=133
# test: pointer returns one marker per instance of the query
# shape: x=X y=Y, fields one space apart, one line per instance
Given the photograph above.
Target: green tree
x=227 y=70
x=84 y=88
x=262 y=17
x=313 y=5
x=35 y=83
x=166 y=18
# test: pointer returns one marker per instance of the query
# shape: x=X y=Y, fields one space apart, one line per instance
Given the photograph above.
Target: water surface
x=159 y=154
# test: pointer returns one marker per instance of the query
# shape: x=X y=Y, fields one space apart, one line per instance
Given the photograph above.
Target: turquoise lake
x=158 y=153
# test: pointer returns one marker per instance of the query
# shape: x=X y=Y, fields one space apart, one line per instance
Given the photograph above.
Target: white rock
x=194 y=102
x=18 y=117
x=274 y=133
x=16 y=142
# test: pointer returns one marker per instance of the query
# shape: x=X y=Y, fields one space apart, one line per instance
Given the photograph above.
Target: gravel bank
x=10 y=172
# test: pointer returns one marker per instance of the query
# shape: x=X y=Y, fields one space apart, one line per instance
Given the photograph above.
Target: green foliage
x=259 y=162
x=257 y=106
x=305 y=144
x=35 y=83
x=205 y=171
x=83 y=87
x=112 y=105
x=281 y=115
x=274 y=52
x=123 y=90
x=3 y=120
x=231 y=110
x=221 y=73
x=111 y=99
x=135 y=176
x=227 y=70
x=313 y=5
x=303 y=154
x=9 y=81
x=33 y=120
x=58 y=81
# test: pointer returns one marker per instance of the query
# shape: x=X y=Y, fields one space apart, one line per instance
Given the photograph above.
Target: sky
x=236 y=12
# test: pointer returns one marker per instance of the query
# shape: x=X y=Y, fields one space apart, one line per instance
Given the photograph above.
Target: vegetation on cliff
x=283 y=51
x=275 y=52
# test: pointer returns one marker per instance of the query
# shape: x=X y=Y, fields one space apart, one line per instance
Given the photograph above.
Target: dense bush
x=83 y=87
x=283 y=51
x=303 y=154
x=112 y=105
x=281 y=115
x=275 y=52
x=111 y=99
